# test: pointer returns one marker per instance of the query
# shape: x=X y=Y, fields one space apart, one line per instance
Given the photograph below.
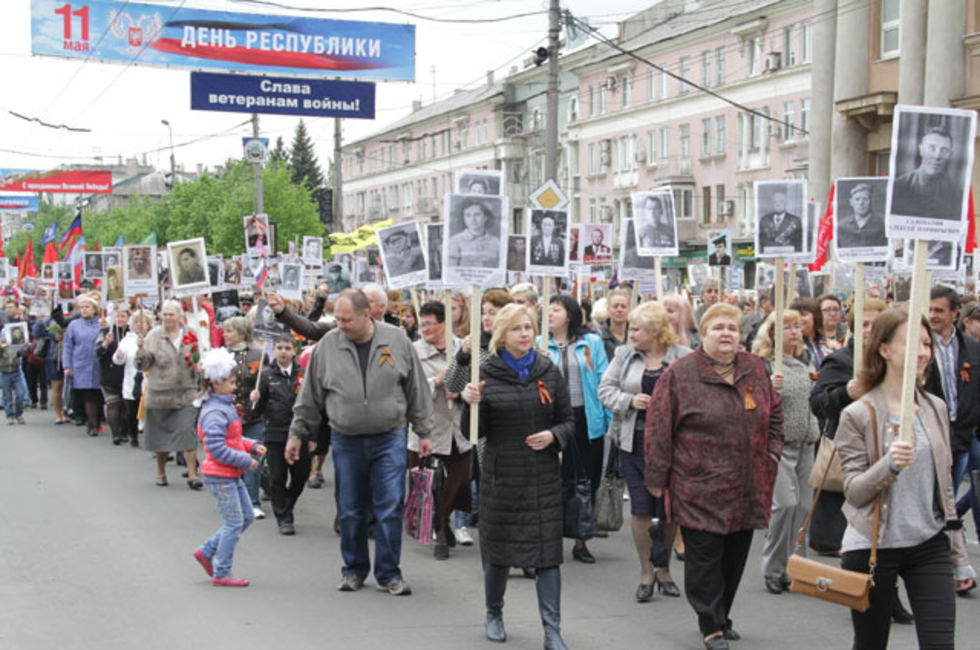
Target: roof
x=460 y=99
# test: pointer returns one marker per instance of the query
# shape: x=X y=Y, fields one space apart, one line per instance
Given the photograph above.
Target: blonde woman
x=625 y=390
x=681 y=316
x=792 y=494
x=526 y=419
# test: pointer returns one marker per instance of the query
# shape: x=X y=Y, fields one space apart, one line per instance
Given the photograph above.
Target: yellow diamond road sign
x=549 y=197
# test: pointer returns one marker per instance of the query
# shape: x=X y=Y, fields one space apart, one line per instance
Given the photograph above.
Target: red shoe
x=204 y=562
x=228 y=581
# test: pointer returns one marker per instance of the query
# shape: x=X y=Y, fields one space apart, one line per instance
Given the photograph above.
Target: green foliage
x=306 y=167
x=279 y=153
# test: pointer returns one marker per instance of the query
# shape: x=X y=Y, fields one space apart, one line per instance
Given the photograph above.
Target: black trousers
x=583 y=457
x=713 y=568
x=286 y=482
x=927 y=570
x=37 y=383
x=132 y=424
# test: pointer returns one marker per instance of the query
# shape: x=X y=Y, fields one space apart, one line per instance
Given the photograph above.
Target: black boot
x=900 y=615
x=494 y=585
x=549 y=604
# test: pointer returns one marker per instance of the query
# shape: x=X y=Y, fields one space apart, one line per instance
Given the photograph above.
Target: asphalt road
x=95 y=556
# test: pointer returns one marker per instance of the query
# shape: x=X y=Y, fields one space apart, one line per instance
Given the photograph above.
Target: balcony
x=426 y=205
x=674 y=171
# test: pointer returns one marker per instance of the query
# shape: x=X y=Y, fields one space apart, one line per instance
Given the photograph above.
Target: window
x=706 y=204
x=683 y=199
x=421 y=149
x=891 y=15
x=663 y=85
x=632 y=142
x=652 y=81
x=626 y=93
x=753 y=48
x=685 y=73
x=719 y=196
x=435 y=146
x=720 y=134
x=755 y=132
x=602 y=99
x=706 y=137
x=804 y=118
x=789 y=133
x=463 y=135
x=685 y=136
x=651 y=147
x=663 y=145
x=604 y=156
x=593 y=211
x=720 y=66
x=591 y=101
x=706 y=69
x=806 y=43
x=789 y=53
x=573 y=109
x=591 y=159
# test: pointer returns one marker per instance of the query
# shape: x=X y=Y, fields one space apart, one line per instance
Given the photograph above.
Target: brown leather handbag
x=833 y=584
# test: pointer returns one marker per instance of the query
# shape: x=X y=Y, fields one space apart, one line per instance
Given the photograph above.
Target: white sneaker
x=258 y=512
x=463 y=536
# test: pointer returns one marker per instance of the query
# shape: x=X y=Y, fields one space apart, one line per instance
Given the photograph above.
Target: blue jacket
x=592 y=363
x=78 y=353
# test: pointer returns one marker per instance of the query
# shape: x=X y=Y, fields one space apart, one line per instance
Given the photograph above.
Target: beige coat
x=445 y=421
x=170 y=382
x=864 y=478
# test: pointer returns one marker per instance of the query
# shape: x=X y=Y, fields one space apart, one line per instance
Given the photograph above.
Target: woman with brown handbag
x=915 y=485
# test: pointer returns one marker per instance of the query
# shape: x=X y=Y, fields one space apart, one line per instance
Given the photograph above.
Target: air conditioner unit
x=610 y=83
x=605 y=214
x=641 y=156
x=726 y=208
x=604 y=158
x=774 y=60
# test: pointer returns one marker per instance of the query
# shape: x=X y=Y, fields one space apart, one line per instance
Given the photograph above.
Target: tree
x=306 y=167
x=279 y=153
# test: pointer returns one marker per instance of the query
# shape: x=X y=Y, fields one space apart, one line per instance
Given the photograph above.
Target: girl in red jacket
x=228 y=455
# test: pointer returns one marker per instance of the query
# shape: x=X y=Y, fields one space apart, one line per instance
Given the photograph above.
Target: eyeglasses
x=426 y=324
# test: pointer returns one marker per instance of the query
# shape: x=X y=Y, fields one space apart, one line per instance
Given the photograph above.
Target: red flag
x=825 y=234
x=50 y=253
x=29 y=269
x=971 y=232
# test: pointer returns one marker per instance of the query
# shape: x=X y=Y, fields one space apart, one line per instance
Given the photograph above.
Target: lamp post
x=173 y=167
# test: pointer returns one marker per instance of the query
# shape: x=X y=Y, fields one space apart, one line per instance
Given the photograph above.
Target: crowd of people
x=713 y=418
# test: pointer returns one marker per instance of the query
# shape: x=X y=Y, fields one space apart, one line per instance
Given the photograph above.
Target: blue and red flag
x=74 y=232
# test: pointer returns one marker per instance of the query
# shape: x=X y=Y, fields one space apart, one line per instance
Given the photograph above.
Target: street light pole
x=173 y=165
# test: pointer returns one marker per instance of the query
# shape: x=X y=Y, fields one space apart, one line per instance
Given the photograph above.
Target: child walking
x=227 y=456
x=274 y=397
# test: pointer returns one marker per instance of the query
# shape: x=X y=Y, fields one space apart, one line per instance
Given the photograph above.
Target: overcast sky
x=123 y=106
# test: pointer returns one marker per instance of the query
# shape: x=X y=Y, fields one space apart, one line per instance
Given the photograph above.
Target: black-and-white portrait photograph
x=479 y=181
x=765 y=275
x=48 y=274
x=474 y=248
x=5 y=273
x=697 y=276
x=188 y=263
x=163 y=268
x=780 y=208
x=139 y=270
x=216 y=271
x=819 y=283
x=548 y=236
x=112 y=288
x=596 y=243
x=226 y=305
x=633 y=266
x=812 y=225
x=266 y=326
x=313 y=250
x=574 y=244
x=28 y=286
x=257 y=235
x=92 y=268
x=403 y=255
x=656 y=227
x=15 y=335
x=433 y=242
x=113 y=257
x=517 y=253
x=803 y=288
x=64 y=272
x=233 y=271
x=719 y=248
x=859 y=219
x=291 y=281
x=337 y=277
x=931 y=162
x=943 y=256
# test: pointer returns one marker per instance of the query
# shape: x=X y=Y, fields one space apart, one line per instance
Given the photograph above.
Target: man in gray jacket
x=368 y=378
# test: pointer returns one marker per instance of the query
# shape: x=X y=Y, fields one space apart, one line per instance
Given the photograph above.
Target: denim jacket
x=592 y=363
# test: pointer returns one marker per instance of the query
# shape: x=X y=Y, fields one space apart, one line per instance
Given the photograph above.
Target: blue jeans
x=374 y=464
x=10 y=383
x=255 y=431
x=463 y=516
x=236 y=513
x=969 y=500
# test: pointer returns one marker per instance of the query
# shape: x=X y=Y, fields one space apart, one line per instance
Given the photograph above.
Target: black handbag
x=578 y=521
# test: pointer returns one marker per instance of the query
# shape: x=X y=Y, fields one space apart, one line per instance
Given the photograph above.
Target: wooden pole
x=447 y=300
x=658 y=275
x=636 y=294
x=476 y=329
x=778 y=305
x=545 y=306
x=415 y=305
x=858 y=318
x=920 y=285
x=791 y=287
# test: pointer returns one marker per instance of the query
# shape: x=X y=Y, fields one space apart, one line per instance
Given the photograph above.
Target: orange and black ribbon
x=543 y=393
x=965 y=373
x=749 y=402
x=588 y=359
x=386 y=356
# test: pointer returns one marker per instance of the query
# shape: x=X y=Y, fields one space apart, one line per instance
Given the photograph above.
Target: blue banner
x=281 y=95
x=159 y=35
x=19 y=203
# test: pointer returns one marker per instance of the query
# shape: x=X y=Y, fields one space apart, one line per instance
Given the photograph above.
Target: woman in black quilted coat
x=526 y=417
